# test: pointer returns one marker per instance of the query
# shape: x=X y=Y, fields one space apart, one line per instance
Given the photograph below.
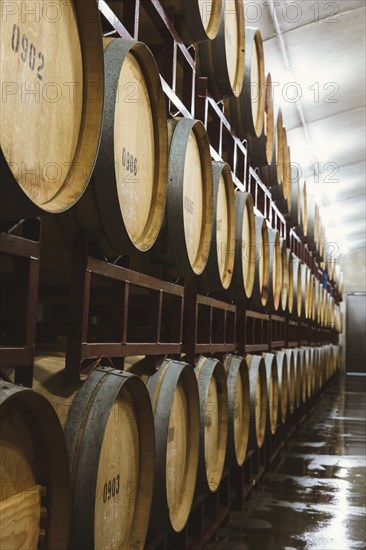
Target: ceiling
x=315 y=51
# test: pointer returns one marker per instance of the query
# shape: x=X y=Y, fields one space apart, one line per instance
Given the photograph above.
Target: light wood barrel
x=305 y=291
x=295 y=210
x=297 y=269
x=123 y=208
x=238 y=409
x=311 y=208
x=258 y=401
x=302 y=359
x=275 y=270
x=51 y=112
x=109 y=431
x=261 y=278
x=34 y=501
x=309 y=371
x=283 y=381
x=276 y=167
x=261 y=148
x=213 y=393
x=287 y=177
x=321 y=368
x=270 y=362
x=294 y=358
x=174 y=396
x=196 y=21
x=222 y=60
x=246 y=112
x=291 y=301
x=286 y=361
x=189 y=209
x=220 y=265
x=304 y=207
x=245 y=247
x=285 y=276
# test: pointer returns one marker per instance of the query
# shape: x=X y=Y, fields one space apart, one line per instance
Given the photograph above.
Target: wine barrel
x=295 y=210
x=51 y=113
x=311 y=209
x=291 y=300
x=123 y=208
x=302 y=360
x=261 y=148
x=304 y=208
x=291 y=383
x=189 y=208
x=222 y=59
x=283 y=390
x=109 y=432
x=286 y=178
x=270 y=362
x=213 y=394
x=245 y=247
x=309 y=370
x=220 y=265
x=196 y=21
x=275 y=270
x=294 y=356
x=238 y=409
x=297 y=279
x=261 y=277
x=174 y=396
x=285 y=279
x=246 y=112
x=305 y=291
x=276 y=167
x=258 y=401
x=34 y=501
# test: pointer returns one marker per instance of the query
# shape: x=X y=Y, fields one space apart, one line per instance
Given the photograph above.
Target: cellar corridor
x=315 y=497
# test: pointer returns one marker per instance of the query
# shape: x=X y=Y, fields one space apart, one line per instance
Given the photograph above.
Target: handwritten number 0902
x=28 y=51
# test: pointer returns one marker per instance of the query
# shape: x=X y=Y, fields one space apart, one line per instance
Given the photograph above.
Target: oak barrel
x=34 y=501
x=309 y=370
x=283 y=391
x=291 y=273
x=261 y=277
x=275 y=270
x=123 y=208
x=197 y=20
x=276 y=166
x=51 y=114
x=294 y=378
x=286 y=176
x=270 y=362
x=245 y=247
x=285 y=276
x=213 y=394
x=221 y=60
x=109 y=432
x=258 y=401
x=238 y=409
x=220 y=265
x=297 y=279
x=246 y=112
x=174 y=396
x=189 y=208
x=261 y=148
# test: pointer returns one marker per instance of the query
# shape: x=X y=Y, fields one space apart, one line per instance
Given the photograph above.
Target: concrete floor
x=315 y=498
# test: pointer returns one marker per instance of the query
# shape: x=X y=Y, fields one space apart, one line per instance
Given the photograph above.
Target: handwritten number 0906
x=25 y=50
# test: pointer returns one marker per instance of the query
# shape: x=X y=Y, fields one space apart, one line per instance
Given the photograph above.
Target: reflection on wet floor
x=315 y=498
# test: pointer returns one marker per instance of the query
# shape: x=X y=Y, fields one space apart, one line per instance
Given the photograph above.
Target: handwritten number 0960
x=25 y=50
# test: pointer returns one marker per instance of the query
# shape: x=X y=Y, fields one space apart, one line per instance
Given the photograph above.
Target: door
x=356 y=332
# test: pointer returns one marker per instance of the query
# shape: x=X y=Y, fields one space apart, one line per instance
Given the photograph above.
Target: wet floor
x=316 y=496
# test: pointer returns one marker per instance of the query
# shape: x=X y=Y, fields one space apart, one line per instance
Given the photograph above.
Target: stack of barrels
x=138 y=445
x=134 y=447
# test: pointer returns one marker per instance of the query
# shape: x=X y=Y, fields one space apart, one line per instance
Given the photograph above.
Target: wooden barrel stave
x=283 y=383
x=275 y=270
x=261 y=148
x=196 y=21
